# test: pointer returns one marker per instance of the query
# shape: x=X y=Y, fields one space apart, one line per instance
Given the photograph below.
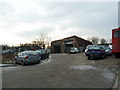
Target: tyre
x=41 y=57
x=48 y=56
x=38 y=62
x=89 y=58
x=103 y=56
x=23 y=63
x=16 y=62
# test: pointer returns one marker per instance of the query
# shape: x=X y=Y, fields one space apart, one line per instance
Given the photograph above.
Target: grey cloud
x=35 y=33
x=90 y=18
x=6 y=9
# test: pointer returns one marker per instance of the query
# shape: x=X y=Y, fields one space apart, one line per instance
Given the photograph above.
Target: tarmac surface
x=63 y=71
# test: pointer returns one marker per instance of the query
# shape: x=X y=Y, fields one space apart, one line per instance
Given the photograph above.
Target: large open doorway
x=57 y=49
x=67 y=48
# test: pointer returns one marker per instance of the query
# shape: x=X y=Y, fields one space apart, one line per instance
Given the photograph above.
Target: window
x=19 y=54
x=22 y=54
x=117 y=34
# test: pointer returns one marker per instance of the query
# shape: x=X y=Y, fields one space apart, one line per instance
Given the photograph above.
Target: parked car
x=43 y=53
x=74 y=50
x=88 y=47
x=96 y=52
x=108 y=50
x=7 y=51
x=27 y=57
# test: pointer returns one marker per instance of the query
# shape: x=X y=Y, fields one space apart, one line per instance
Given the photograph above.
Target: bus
x=116 y=42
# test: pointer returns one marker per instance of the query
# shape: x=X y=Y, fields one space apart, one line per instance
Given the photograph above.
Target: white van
x=74 y=50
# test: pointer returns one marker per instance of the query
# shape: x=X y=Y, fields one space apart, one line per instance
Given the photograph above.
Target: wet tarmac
x=63 y=71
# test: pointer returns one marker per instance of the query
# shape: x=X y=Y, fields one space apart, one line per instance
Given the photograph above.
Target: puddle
x=6 y=65
x=12 y=68
x=83 y=67
x=109 y=76
x=105 y=69
x=9 y=68
x=63 y=54
x=114 y=69
x=92 y=61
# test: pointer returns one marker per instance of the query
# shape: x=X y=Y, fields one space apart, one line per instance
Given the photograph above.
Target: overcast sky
x=22 y=21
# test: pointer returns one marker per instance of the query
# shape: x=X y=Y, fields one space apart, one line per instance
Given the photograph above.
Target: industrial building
x=64 y=45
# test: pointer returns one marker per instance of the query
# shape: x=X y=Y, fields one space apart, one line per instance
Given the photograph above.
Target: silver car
x=27 y=57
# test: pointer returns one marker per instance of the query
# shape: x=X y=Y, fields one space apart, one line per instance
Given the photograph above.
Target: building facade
x=64 y=45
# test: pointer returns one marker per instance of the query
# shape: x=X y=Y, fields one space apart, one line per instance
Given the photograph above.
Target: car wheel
x=38 y=62
x=41 y=57
x=89 y=58
x=16 y=62
x=103 y=56
x=23 y=63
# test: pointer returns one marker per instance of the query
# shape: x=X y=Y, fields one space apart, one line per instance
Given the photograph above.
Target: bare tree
x=110 y=40
x=94 y=40
x=48 y=41
x=103 y=41
x=43 y=40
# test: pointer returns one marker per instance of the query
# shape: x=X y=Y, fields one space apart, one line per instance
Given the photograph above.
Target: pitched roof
x=71 y=37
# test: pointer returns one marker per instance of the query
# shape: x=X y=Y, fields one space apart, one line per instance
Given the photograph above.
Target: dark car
x=43 y=53
x=96 y=52
x=27 y=57
x=88 y=47
x=108 y=50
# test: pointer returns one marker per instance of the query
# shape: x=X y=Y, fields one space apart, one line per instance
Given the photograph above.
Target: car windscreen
x=107 y=48
x=72 y=49
x=88 y=47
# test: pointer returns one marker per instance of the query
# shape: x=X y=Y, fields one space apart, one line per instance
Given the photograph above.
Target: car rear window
x=94 y=47
x=89 y=46
x=39 y=51
x=30 y=52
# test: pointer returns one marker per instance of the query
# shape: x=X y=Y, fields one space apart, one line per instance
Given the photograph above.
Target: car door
x=22 y=57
